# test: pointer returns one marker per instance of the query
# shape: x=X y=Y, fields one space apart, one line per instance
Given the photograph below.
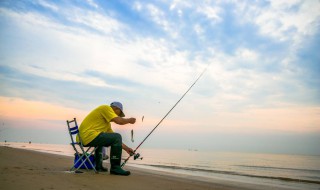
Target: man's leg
x=98 y=157
x=115 y=141
x=115 y=160
x=103 y=139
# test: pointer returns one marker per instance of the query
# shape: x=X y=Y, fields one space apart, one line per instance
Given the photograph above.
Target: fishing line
x=137 y=155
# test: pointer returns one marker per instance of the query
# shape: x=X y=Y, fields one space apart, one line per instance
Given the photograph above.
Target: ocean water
x=275 y=170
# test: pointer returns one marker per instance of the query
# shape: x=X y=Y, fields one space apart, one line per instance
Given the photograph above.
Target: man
x=96 y=131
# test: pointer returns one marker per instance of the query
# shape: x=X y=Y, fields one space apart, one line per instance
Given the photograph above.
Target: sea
x=301 y=172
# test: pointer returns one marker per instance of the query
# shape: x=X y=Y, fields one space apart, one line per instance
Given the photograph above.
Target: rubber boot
x=115 y=160
x=98 y=160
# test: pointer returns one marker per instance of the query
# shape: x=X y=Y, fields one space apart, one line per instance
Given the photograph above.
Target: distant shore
x=29 y=170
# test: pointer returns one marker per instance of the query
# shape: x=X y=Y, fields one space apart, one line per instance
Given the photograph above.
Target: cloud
x=158 y=18
x=137 y=6
x=284 y=20
x=96 y=21
x=104 y=54
x=48 y=5
x=212 y=13
x=60 y=60
x=92 y=3
x=157 y=59
x=218 y=115
x=263 y=60
x=17 y=108
x=246 y=54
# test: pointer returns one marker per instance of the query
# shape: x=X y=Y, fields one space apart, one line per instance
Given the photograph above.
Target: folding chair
x=82 y=155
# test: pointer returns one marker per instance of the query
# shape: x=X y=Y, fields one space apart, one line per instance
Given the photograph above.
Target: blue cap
x=118 y=105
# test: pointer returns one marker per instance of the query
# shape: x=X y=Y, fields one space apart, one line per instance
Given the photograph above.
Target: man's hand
x=132 y=120
x=130 y=151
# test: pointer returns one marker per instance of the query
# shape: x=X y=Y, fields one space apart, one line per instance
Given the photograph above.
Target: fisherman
x=96 y=131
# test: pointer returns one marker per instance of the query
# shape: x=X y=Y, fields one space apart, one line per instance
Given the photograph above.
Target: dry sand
x=31 y=170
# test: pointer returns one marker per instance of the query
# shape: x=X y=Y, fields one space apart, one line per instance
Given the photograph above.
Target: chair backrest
x=82 y=160
x=73 y=130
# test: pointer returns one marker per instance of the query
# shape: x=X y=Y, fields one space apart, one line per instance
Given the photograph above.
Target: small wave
x=314 y=177
x=37 y=149
x=278 y=168
x=233 y=173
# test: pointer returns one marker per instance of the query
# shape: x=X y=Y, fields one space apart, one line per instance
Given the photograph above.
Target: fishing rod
x=137 y=155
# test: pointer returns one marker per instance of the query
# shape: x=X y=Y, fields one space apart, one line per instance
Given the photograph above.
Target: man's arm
x=127 y=149
x=123 y=121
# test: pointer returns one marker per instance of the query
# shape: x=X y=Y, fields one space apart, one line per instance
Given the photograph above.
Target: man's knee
x=118 y=137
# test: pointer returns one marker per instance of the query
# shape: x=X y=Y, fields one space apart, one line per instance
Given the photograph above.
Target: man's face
x=117 y=110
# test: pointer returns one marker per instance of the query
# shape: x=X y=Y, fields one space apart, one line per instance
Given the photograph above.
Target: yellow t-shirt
x=96 y=122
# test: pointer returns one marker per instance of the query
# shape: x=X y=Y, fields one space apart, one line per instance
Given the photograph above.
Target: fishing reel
x=136 y=156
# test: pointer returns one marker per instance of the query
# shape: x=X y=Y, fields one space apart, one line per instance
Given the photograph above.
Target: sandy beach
x=25 y=169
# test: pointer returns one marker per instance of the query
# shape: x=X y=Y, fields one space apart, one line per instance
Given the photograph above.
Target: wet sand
x=31 y=170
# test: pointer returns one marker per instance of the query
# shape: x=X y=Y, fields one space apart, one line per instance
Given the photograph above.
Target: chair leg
x=85 y=157
x=94 y=168
x=78 y=161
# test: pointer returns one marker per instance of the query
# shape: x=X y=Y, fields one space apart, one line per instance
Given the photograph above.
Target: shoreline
x=285 y=179
x=29 y=169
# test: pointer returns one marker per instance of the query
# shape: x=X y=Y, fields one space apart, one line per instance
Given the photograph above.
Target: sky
x=261 y=91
